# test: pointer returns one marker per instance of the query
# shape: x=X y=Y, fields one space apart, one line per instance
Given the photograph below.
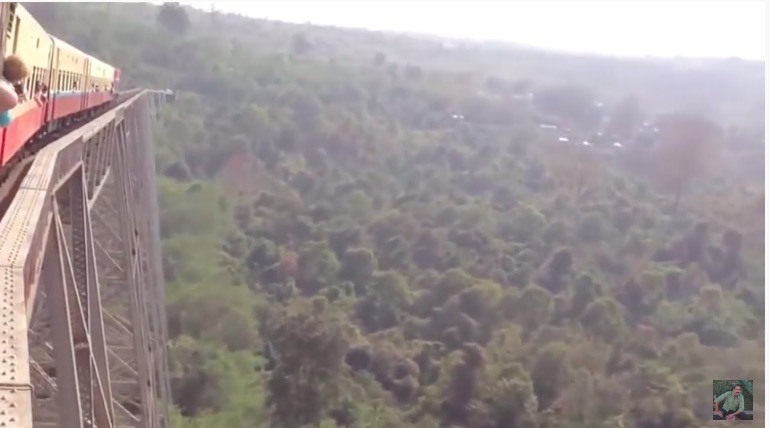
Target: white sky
x=693 y=29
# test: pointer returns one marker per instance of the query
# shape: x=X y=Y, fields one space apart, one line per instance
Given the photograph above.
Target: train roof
x=29 y=18
x=61 y=43
x=97 y=61
x=22 y=12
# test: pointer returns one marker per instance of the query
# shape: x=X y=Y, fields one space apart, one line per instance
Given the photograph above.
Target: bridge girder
x=82 y=306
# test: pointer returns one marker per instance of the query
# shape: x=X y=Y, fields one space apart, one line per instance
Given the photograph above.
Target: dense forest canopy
x=364 y=229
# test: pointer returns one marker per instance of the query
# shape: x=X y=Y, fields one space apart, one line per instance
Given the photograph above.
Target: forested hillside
x=370 y=230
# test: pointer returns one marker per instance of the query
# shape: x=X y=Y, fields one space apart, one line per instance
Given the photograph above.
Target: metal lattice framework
x=82 y=315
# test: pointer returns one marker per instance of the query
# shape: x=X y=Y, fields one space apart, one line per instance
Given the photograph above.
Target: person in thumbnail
x=729 y=406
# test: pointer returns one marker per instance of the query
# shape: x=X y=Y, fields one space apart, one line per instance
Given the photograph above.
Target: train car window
x=17 y=24
x=35 y=77
x=38 y=81
x=30 y=81
x=30 y=84
x=25 y=89
x=11 y=20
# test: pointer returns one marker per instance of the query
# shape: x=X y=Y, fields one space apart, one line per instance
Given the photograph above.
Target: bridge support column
x=73 y=297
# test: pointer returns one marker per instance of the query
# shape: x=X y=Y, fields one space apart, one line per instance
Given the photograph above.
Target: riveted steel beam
x=83 y=335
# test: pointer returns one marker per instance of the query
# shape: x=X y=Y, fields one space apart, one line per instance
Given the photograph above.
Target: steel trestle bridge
x=82 y=310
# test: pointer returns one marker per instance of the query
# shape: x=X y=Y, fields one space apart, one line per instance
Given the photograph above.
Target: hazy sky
x=696 y=29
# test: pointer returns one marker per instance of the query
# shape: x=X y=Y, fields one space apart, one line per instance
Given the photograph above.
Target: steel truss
x=82 y=310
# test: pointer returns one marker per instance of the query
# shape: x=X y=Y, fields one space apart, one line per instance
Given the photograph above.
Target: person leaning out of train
x=15 y=70
x=21 y=93
x=40 y=90
x=44 y=92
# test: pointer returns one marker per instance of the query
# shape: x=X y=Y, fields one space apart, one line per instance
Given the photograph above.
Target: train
x=65 y=85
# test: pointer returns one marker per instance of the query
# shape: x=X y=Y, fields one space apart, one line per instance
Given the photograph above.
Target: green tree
x=309 y=342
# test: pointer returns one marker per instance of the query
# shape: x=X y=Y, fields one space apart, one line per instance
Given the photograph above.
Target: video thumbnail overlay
x=733 y=399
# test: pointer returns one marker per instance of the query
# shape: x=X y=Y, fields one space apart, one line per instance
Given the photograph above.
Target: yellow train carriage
x=70 y=65
x=25 y=37
x=60 y=66
x=100 y=74
x=78 y=85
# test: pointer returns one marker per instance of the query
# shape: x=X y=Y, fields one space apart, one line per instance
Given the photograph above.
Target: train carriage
x=26 y=37
x=65 y=84
x=101 y=77
x=68 y=92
